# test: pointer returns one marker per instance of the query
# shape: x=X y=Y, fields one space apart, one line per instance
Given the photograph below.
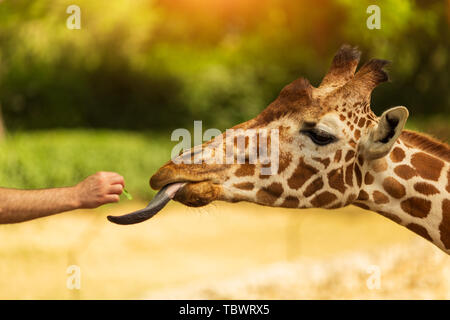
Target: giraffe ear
x=381 y=138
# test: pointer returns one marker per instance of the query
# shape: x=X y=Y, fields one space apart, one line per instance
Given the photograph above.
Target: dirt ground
x=225 y=251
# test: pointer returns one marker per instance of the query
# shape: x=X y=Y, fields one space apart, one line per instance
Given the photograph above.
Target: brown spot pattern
x=337 y=156
x=425 y=188
x=301 y=174
x=349 y=175
x=245 y=170
x=352 y=143
x=417 y=207
x=325 y=161
x=270 y=194
x=421 y=231
x=363 y=195
x=394 y=188
x=361 y=122
x=323 y=199
x=368 y=179
x=263 y=197
x=336 y=180
x=244 y=186
x=405 y=172
x=428 y=167
x=380 y=197
x=285 y=160
x=352 y=197
x=290 y=202
x=397 y=154
x=357 y=134
x=275 y=188
x=361 y=160
x=350 y=154
x=313 y=187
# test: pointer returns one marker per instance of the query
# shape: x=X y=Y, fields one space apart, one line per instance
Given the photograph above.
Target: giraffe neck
x=411 y=186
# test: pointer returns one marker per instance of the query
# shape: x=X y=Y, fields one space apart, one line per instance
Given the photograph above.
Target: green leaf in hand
x=127 y=194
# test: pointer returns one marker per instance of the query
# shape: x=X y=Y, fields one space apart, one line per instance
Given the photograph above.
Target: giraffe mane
x=426 y=143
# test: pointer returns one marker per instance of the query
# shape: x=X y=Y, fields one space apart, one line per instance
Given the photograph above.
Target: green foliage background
x=138 y=69
x=59 y=158
x=162 y=64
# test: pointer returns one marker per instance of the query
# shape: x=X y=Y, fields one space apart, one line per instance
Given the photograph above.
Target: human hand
x=99 y=189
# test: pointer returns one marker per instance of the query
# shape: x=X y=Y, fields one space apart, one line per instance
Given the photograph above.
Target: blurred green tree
x=162 y=64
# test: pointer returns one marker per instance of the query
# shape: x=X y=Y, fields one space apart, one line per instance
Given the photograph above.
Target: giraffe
x=333 y=152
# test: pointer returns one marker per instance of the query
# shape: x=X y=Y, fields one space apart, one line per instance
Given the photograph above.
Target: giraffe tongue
x=156 y=204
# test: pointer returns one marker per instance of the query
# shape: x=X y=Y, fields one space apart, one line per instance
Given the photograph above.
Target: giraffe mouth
x=189 y=193
x=198 y=193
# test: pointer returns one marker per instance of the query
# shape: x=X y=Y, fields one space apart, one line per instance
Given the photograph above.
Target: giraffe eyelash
x=319 y=137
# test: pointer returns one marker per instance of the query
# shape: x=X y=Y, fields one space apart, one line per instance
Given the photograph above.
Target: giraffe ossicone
x=333 y=151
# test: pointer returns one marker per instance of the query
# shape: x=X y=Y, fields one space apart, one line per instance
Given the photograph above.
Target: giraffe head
x=324 y=136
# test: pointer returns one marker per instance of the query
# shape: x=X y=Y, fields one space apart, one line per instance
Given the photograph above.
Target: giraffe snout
x=161 y=178
x=203 y=181
x=172 y=172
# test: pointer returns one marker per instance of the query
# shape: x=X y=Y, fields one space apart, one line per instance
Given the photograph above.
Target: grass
x=56 y=158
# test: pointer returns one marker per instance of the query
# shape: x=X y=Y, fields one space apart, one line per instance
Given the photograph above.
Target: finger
x=115 y=189
x=110 y=198
x=117 y=179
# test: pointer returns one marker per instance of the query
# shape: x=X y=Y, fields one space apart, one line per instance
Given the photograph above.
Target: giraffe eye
x=319 y=137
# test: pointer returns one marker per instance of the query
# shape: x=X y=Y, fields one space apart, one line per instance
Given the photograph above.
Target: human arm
x=96 y=190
